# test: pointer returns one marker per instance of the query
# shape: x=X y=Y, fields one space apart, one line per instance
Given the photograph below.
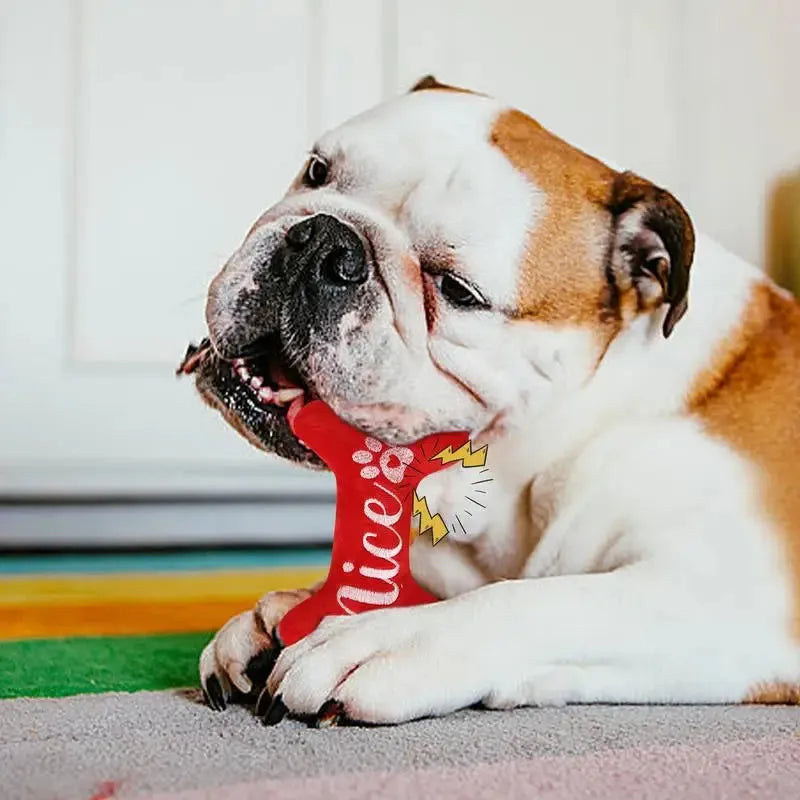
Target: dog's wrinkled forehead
x=428 y=162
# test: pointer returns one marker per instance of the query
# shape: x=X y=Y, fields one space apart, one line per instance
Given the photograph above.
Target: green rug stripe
x=61 y=667
x=88 y=563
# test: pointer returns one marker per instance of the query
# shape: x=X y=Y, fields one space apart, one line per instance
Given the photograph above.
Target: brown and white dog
x=443 y=262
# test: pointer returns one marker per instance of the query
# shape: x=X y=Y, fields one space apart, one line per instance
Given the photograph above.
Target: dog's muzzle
x=256 y=371
x=323 y=271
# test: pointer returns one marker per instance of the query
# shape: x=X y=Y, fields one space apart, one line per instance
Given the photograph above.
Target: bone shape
x=375 y=485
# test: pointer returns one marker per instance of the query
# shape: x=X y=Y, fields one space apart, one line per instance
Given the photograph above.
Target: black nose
x=331 y=250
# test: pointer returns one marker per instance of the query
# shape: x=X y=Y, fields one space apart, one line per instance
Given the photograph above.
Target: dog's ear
x=653 y=244
x=430 y=82
x=426 y=82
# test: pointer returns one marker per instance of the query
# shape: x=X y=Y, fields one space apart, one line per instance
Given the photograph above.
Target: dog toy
x=375 y=485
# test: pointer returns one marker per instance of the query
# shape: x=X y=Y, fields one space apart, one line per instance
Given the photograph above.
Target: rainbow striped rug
x=72 y=624
x=105 y=627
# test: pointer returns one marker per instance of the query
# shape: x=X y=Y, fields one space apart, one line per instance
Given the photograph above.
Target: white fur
x=447 y=197
x=626 y=557
x=447 y=185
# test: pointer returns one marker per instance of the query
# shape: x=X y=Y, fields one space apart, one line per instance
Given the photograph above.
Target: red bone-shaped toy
x=375 y=485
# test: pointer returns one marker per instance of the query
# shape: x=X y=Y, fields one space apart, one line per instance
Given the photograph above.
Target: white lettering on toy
x=383 y=545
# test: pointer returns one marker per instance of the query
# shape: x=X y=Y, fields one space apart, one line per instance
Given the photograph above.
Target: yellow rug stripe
x=206 y=587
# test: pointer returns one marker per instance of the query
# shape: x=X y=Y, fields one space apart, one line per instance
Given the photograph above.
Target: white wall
x=140 y=139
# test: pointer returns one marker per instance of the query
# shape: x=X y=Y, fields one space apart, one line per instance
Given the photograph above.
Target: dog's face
x=439 y=263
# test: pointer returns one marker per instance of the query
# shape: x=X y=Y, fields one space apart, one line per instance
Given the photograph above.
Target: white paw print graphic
x=392 y=462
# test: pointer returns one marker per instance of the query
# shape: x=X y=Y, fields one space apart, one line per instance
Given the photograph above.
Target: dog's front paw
x=383 y=666
x=240 y=657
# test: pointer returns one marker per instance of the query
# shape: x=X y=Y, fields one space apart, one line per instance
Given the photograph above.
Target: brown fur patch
x=562 y=279
x=571 y=273
x=750 y=397
x=775 y=694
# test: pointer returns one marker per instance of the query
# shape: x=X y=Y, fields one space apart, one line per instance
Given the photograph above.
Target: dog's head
x=440 y=262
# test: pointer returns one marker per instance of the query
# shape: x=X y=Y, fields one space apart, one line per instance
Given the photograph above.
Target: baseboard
x=165 y=523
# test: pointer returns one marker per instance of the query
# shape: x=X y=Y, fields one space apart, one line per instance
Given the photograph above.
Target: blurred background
x=139 y=140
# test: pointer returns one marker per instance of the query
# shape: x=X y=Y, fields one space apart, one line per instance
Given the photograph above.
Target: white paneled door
x=139 y=141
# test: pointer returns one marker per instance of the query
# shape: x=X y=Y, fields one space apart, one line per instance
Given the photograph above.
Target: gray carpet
x=132 y=745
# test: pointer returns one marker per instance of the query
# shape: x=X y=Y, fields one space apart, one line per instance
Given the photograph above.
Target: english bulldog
x=443 y=262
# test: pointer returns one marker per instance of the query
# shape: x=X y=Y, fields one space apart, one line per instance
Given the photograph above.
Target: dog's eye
x=459 y=293
x=316 y=172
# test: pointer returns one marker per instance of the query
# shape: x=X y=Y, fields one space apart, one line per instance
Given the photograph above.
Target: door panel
x=176 y=154
x=141 y=140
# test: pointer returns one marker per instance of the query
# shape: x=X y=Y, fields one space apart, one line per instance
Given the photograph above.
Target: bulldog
x=443 y=262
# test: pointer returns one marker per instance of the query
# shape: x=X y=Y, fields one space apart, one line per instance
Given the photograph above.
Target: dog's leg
x=636 y=634
x=243 y=652
x=445 y=569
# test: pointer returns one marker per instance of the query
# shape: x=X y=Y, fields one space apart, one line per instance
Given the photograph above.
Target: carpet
x=83 y=637
x=161 y=745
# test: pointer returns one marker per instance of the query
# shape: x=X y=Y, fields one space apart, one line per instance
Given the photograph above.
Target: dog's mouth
x=257 y=394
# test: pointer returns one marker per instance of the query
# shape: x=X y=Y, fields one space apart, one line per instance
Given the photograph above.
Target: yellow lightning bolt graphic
x=465 y=454
x=434 y=524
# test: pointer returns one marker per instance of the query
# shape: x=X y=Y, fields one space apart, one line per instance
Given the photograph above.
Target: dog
x=443 y=262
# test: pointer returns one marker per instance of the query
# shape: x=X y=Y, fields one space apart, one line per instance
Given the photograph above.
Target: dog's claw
x=263 y=703
x=330 y=714
x=213 y=694
x=276 y=711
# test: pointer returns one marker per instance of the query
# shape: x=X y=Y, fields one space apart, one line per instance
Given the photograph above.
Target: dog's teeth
x=265 y=394
x=256 y=382
x=239 y=362
x=243 y=374
x=287 y=395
